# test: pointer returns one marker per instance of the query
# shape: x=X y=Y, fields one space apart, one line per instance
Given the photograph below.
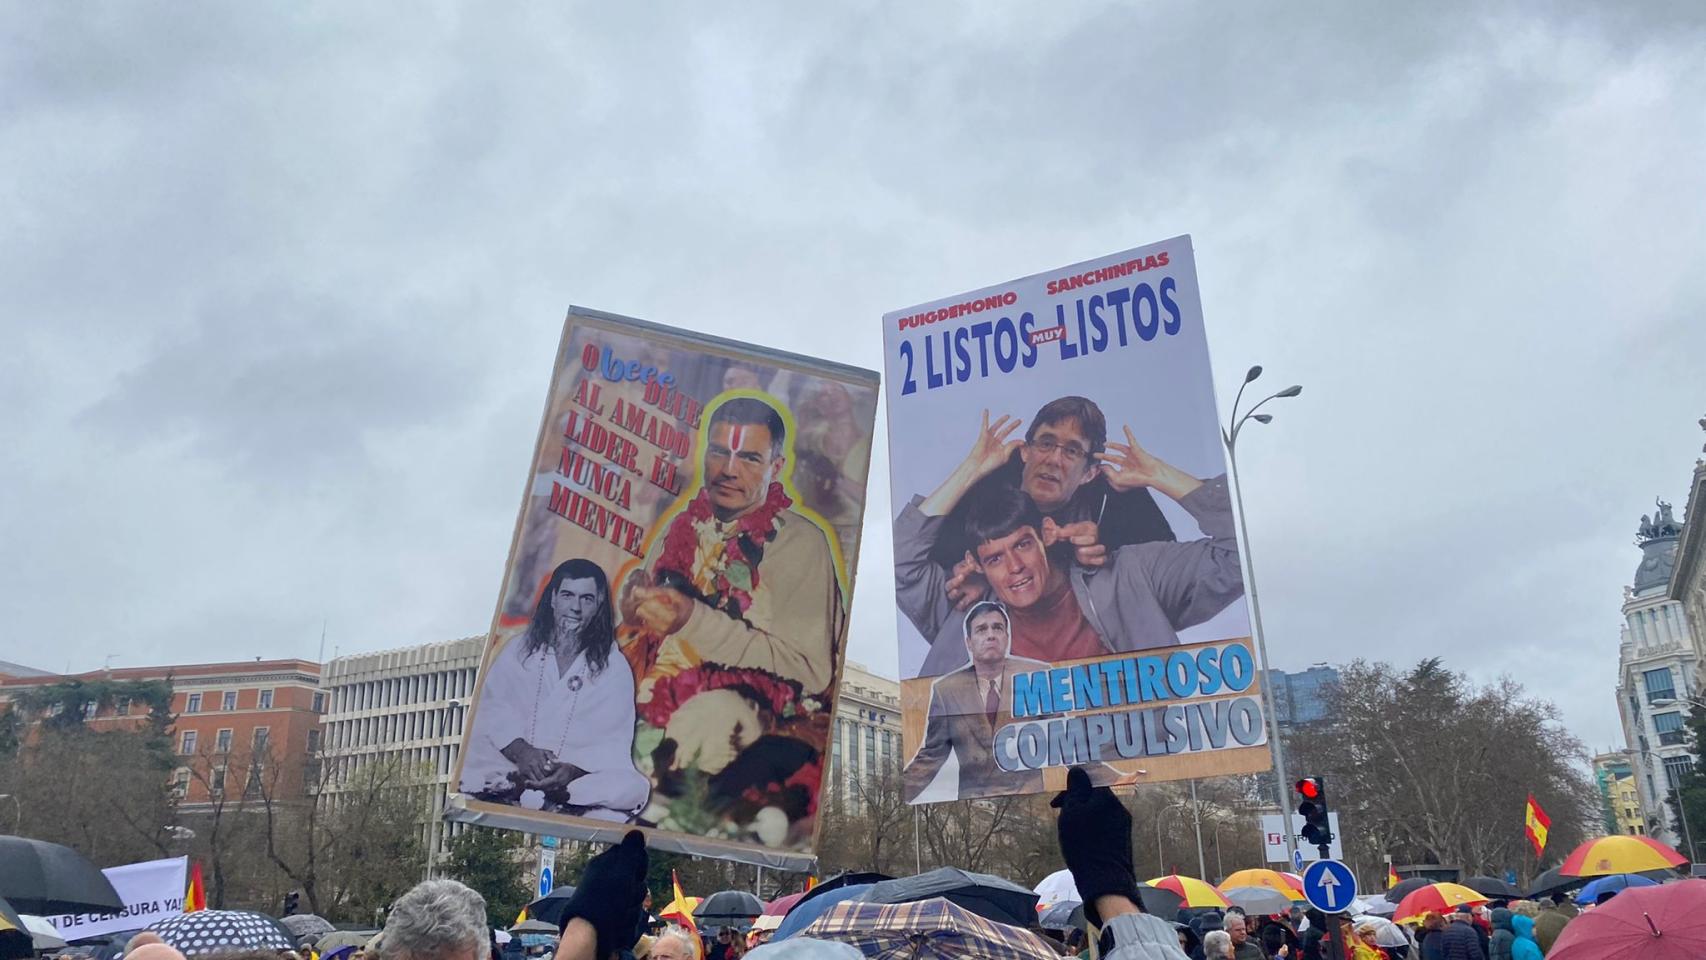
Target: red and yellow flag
x=195 y=898
x=1391 y=877
x=1538 y=824
x=681 y=908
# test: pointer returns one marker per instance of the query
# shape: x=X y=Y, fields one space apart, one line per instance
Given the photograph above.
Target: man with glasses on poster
x=1130 y=598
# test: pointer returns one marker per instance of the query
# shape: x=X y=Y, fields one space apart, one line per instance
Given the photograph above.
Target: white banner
x=1274 y=841
x=151 y=890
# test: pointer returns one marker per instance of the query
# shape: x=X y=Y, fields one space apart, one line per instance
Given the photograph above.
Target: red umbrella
x=780 y=906
x=1642 y=923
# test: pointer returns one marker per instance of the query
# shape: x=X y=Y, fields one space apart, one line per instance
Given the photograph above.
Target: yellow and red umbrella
x=1435 y=898
x=1272 y=879
x=1190 y=890
x=1604 y=856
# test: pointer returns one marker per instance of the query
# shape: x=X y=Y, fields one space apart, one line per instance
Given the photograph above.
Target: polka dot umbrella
x=212 y=931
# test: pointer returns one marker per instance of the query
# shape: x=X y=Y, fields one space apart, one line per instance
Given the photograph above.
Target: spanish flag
x=520 y=918
x=681 y=908
x=1391 y=877
x=1538 y=824
x=195 y=898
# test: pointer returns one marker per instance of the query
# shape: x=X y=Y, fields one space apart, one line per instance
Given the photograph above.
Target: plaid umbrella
x=214 y=931
x=922 y=929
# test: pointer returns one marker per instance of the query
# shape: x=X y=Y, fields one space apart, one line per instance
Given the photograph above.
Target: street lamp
x=1230 y=435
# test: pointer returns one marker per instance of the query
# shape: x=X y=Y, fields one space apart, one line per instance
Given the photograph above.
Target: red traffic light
x=1310 y=788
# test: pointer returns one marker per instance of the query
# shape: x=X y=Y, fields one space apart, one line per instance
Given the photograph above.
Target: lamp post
x=1160 y=859
x=1230 y=435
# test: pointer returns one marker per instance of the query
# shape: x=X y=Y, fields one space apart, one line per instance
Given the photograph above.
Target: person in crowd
x=1217 y=945
x=1524 y=946
x=142 y=938
x=155 y=950
x=1524 y=908
x=1361 y=942
x=1313 y=945
x=674 y=943
x=436 y=920
x=1277 y=937
x=1549 y=923
x=1461 y=940
x=1138 y=597
x=1499 y=944
x=1429 y=938
x=555 y=724
x=1243 y=946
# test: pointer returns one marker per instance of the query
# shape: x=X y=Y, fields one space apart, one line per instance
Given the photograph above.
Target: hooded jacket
x=1548 y=926
x=1503 y=934
x=1524 y=946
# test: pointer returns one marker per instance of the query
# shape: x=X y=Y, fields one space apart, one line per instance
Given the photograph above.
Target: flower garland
x=716 y=561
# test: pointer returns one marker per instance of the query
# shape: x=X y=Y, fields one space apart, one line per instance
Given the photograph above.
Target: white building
x=1656 y=678
x=866 y=737
x=403 y=705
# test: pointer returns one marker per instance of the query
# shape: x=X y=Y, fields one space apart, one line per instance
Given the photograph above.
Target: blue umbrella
x=1612 y=884
x=806 y=911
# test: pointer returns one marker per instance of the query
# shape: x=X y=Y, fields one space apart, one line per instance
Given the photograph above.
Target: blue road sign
x=545 y=881
x=1297 y=861
x=1329 y=886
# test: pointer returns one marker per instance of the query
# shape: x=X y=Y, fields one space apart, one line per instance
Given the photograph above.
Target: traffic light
x=1313 y=809
x=291 y=900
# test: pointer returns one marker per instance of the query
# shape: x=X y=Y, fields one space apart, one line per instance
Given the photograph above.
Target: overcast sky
x=279 y=292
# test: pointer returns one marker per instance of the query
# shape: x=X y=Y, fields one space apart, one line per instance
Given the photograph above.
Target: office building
x=865 y=738
x=1304 y=696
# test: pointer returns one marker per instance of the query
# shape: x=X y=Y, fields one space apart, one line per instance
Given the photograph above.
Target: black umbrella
x=988 y=896
x=1162 y=903
x=1493 y=888
x=1552 y=882
x=728 y=908
x=47 y=879
x=549 y=908
x=845 y=879
x=1406 y=887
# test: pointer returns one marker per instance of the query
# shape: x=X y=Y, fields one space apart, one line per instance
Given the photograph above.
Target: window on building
x=266 y=699
x=222 y=741
x=1669 y=727
x=193 y=704
x=186 y=746
x=180 y=782
x=261 y=740
x=216 y=781
x=319 y=703
x=1677 y=769
x=313 y=741
x=90 y=708
x=1659 y=684
x=122 y=706
x=230 y=700
x=870 y=751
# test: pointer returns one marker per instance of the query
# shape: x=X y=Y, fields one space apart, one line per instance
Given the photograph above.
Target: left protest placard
x=151 y=890
x=673 y=615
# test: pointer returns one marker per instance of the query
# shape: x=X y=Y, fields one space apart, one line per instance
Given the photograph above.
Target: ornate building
x=1657 y=678
x=1688 y=577
x=866 y=740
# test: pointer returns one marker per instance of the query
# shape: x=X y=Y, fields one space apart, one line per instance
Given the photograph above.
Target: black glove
x=1095 y=842
x=612 y=887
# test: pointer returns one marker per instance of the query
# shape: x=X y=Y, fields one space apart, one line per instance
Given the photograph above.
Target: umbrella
x=801 y=948
x=1436 y=898
x=301 y=925
x=1061 y=915
x=49 y=879
x=1493 y=888
x=810 y=908
x=1258 y=900
x=1612 y=884
x=1621 y=854
x=1666 y=922
x=1057 y=887
x=1405 y=888
x=1194 y=892
x=846 y=878
x=983 y=894
x=728 y=908
x=549 y=908
x=780 y=906
x=1386 y=933
x=216 y=931
x=42 y=934
x=1272 y=879
x=934 y=928
x=343 y=938
x=1162 y=903
x=535 y=926
x=1381 y=907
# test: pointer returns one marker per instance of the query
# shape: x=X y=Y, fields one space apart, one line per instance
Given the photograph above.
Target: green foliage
x=490 y=862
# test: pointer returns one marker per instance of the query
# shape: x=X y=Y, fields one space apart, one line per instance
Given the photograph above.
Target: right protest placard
x=1067 y=574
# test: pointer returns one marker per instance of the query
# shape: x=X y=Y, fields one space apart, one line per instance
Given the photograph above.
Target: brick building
x=236 y=724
